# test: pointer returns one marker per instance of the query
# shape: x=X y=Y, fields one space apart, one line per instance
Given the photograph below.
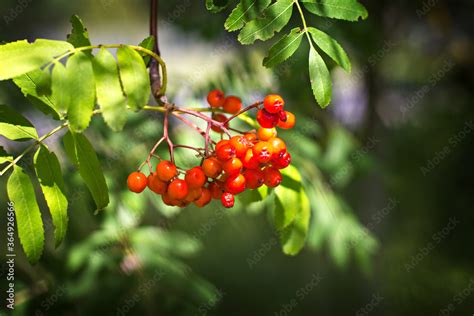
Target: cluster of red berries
x=242 y=162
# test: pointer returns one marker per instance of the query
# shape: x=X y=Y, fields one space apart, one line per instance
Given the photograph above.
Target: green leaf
x=20 y=57
x=331 y=47
x=350 y=10
x=216 y=5
x=110 y=96
x=50 y=177
x=14 y=126
x=59 y=88
x=287 y=198
x=147 y=43
x=27 y=213
x=245 y=11
x=284 y=48
x=275 y=18
x=80 y=88
x=135 y=80
x=320 y=78
x=79 y=36
x=36 y=86
x=4 y=156
x=82 y=154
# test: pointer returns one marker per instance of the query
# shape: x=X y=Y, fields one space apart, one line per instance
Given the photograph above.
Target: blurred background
x=386 y=166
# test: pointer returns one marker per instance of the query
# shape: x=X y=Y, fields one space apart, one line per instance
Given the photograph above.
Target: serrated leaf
x=27 y=213
x=36 y=86
x=80 y=89
x=287 y=197
x=331 y=47
x=83 y=155
x=284 y=48
x=79 y=36
x=320 y=78
x=245 y=11
x=217 y=5
x=149 y=44
x=4 y=156
x=110 y=96
x=14 y=126
x=51 y=181
x=275 y=18
x=350 y=10
x=20 y=57
x=135 y=79
x=59 y=88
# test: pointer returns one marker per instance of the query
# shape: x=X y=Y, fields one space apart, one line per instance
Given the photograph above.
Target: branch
x=155 y=78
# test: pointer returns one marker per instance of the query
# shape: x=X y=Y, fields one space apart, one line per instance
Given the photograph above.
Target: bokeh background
x=388 y=167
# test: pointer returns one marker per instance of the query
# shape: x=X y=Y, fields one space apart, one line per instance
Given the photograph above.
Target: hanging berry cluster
x=228 y=167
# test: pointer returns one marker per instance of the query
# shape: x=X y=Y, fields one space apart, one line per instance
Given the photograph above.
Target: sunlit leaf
x=14 y=126
x=245 y=11
x=79 y=37
x=4 y=156
x=331 y=47
x=320 y=78
x=59 y=88
x=147 y=43
x=350 y=10
x=284 y=48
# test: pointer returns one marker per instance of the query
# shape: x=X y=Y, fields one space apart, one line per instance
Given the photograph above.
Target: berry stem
x=248 y=108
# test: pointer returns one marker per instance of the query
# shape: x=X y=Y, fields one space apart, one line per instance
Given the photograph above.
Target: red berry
x=235 y=184
x=240 y=144
x=250 y=161
x=204 y=199
x=219 y=118
x=233 y=165
x=277 y=145
x=267 y=119
x=166 y=170
x=282 y=160
x=137 y=182
x=250 y=137
x=193 y=194
x=232 y=104
x=215 y=189
x=290 y=121
x=272 y=177
x=156 y=185
x=254 y=178
x=282 y=116
x=216 y=98
x=266 y=133
x=195 y=177
x=262 y=151
x=211 y=167
x=227 y=200
x=168 y=200
x=225 y=152
x=273 y=103
x=178 y=189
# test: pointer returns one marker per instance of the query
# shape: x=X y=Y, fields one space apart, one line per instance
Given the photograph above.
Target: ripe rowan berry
x=232 y=105
x=273 y=103
x=250 y=161
x=216 y=190
x=263 y=151
x=221 y=143
x=290 y=121
x=211 y=167
x=225 y=152
x=277 y=145
x=178 y=189
x=156 y=185
x=272 y=177
x=193 y=194
x=227 y=199
x=137 y=182
x=219 y=118
x=195 y=177
x=235 y=184
x=267 y=119
x=216 y=98
x=253 y=178
x=233 y=165
x=168 y=200
x=240 y=144
x=266 y=133
x=250 y=137
x=204 y=199
x=281 y=160
x=166 y=170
